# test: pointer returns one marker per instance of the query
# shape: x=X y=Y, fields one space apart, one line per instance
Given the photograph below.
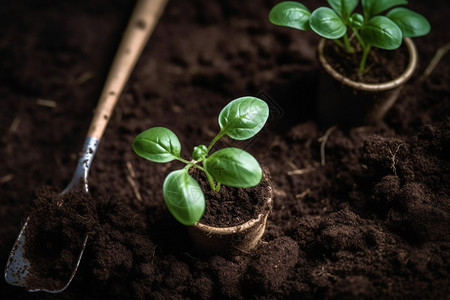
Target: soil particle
x=342 y=231
x=305 y=233
x=202 y=288
x=385 y=193
x=352 y=287
x=229 y=275
x=271 y=265
x=177 y=274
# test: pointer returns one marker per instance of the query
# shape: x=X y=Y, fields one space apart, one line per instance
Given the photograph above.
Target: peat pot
x=346 y=102
x=235 y=239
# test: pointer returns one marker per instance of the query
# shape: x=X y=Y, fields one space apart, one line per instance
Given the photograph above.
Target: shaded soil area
x=361 y=214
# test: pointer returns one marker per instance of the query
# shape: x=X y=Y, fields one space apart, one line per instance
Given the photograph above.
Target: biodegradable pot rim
x=241 y=227
x=374 y=87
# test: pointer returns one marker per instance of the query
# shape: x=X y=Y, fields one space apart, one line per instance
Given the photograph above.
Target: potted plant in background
x=241 y=119
x=357 y=41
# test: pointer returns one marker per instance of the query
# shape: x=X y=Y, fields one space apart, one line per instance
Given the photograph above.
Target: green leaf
x=410 y=23
x=325 y=22
x=374 y=7
x=356 y=21
x=344 y=8
x=199 y=152
x=243 y=117
x=157 y=144
x=184 y=197
x=233 y=167
x=382 y=33
x=290 y=14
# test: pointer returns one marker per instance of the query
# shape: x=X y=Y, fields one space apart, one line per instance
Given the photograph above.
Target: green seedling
x=240 y=119
x=369 y=28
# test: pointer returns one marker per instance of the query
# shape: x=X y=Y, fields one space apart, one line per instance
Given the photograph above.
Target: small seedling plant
x=240 y=119
x=340 y=24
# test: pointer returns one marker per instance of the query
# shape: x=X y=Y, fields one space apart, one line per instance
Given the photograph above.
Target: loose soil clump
x=54 y=236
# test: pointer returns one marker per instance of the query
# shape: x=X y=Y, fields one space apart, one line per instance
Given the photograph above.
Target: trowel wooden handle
x=142 y=22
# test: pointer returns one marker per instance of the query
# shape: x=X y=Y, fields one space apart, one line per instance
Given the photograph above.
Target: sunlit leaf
x=184 y=197
x=244 y=117
x=234 y=167
x=374 y=7
x=325 y=22
x=290 y=14
x=157 y=144
x=343 y=8
x=410 y=23
x=382 y=33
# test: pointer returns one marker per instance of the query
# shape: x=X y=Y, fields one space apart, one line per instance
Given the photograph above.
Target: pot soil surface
x=360 y=213
x=381 y=65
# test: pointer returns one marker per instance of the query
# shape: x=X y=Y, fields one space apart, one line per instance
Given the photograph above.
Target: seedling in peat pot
x=370 y=28
x=241 y=119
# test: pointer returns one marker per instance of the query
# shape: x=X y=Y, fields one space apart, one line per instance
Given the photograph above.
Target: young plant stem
x=221 y=134
x=184 y=161
x=358 y=37
x=213 y=186
x=348 y=48
x=362 y=65
x=339 y=43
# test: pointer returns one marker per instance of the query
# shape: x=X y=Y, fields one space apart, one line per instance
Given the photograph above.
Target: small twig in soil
x=300 y=171
x=82 y=217
x=190 y=256
x=303 y=194
x=46 y=102
x=134 y=187
x=14 y=125
x=130 y=177
x=84 y=77
x=393 y=159
x=292 y=165
x=226 y=202
x=434 y=61
x=362 y=128
x=6 y=178
x=131 y=170
x=324 y=273
x=176 y=108
x=323 y=141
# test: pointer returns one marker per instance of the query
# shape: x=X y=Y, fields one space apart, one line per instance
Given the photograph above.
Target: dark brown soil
x=232 y=206
x=55 y=233
x=369 y=219
x=381 y=65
